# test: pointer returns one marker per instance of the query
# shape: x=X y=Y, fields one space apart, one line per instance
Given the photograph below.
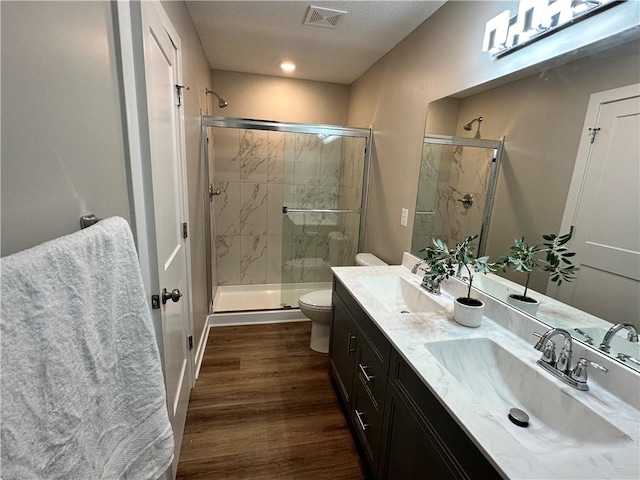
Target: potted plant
x=443 y=263
x=549 y=256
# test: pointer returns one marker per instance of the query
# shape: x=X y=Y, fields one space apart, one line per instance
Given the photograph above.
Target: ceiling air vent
x=323 y=17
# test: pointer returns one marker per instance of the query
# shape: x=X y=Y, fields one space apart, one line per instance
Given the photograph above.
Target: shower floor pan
x=248 y=298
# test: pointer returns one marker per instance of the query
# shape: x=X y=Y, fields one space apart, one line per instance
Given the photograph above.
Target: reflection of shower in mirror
x=469 y=125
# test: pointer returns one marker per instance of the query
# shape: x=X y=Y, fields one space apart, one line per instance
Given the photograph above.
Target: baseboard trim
x=201 y=346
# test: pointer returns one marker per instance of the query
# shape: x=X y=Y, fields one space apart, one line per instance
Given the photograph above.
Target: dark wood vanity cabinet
x=342 y=349
x=402 y=430
x=421 y=440
x=359 y=357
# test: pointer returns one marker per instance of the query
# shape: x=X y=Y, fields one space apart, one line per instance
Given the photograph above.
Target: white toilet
x=316 y=306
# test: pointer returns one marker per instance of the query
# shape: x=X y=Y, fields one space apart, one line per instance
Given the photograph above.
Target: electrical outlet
x=404 y=218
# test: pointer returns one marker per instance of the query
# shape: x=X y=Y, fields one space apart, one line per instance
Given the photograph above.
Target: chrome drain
x=519 y=417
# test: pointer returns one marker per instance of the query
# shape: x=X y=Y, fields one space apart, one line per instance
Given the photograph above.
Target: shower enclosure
x=288 y=202
x=456 y=189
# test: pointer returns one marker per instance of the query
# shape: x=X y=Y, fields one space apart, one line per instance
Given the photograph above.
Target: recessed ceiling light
x=288 y=66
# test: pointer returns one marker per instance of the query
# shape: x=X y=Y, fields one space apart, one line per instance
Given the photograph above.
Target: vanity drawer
x=367 y=417
x=371 y=374
x=380 y=346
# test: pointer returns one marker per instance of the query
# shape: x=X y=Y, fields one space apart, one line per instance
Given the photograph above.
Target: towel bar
x=88 y=219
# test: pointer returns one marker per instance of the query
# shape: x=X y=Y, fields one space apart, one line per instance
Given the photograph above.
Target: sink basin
x=398 y=295
x=499 y=381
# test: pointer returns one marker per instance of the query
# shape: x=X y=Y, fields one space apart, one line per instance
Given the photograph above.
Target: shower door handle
x=467 y=200
x=286 y=210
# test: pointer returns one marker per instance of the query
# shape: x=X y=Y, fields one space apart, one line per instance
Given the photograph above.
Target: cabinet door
x=436 y=444
x=411 y=452
x=342 y=349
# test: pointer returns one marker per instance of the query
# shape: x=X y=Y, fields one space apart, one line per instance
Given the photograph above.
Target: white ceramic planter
x=528 y=307
x=467 y=315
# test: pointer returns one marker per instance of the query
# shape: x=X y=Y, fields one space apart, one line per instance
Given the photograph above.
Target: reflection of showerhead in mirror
x=469 y=125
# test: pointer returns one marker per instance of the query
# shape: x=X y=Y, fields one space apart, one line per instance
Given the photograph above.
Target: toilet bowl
x=316 y=306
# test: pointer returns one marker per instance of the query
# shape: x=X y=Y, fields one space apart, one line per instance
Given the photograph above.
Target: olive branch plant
x=550 y=256
x=443 y=262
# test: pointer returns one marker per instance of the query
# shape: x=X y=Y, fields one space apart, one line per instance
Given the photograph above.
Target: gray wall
x=62 y=140
x=281 y=99
x=62 y=128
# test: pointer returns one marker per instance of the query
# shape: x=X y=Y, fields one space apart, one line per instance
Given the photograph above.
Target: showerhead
x=468 y=126
x=221 y=101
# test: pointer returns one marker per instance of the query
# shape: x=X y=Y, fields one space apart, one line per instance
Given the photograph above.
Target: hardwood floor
x=264 y=408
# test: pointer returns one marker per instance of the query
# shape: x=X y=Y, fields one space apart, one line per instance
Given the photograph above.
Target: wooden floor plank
x=264 y=408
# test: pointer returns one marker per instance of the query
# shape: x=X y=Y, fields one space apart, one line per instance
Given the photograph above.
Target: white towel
x=83 y=394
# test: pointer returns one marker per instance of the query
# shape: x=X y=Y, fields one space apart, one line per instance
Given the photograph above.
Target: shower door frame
x=498 y=146
x=287 y=127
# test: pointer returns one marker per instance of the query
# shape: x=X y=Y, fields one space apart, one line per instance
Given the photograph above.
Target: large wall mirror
x=541 y=118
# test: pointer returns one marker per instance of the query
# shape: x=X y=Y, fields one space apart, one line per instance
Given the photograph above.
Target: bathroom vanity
x=428 y=398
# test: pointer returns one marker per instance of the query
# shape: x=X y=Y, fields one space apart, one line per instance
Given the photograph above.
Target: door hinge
x=593 y=133
x=190 y=342
x=185 y=230
x=155 y=302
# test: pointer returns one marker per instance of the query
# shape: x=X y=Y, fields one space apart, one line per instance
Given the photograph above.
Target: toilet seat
x=319 y=300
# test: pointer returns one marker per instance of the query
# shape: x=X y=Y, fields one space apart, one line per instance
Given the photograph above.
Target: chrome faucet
x=561 y=367
x=417 y=265
x=431 y=285
x=563 y=362
x=632 y=336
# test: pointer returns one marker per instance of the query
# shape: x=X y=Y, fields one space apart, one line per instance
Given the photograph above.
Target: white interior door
x=162 y=70
x=605 y=205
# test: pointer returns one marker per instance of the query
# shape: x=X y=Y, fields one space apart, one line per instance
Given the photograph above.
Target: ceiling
x=256 y=36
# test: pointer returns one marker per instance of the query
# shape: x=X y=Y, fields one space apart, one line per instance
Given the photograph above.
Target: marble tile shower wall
x=257 y=172
x=427 y=196
x=458 y=171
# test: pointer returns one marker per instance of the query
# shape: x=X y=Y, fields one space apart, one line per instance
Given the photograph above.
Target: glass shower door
x=322 y=200
x=456 y=189
x=263 y=256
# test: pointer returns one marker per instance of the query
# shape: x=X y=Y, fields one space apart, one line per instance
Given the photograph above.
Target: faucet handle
x=624 y=357
x=549 y=353
x=547 y=348
x=541 y=345
x=579 y=373
x=587 y=338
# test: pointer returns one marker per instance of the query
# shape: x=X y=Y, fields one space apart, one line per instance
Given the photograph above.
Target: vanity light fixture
x=580 y=6
x=288 y=66
x=506 y=32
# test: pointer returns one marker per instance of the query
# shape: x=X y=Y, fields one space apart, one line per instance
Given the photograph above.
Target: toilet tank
x=369 y=260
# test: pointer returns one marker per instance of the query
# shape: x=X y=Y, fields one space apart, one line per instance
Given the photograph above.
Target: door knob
x=173 y=295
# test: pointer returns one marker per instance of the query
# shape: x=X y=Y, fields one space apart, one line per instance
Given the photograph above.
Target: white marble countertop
x=515 y=452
